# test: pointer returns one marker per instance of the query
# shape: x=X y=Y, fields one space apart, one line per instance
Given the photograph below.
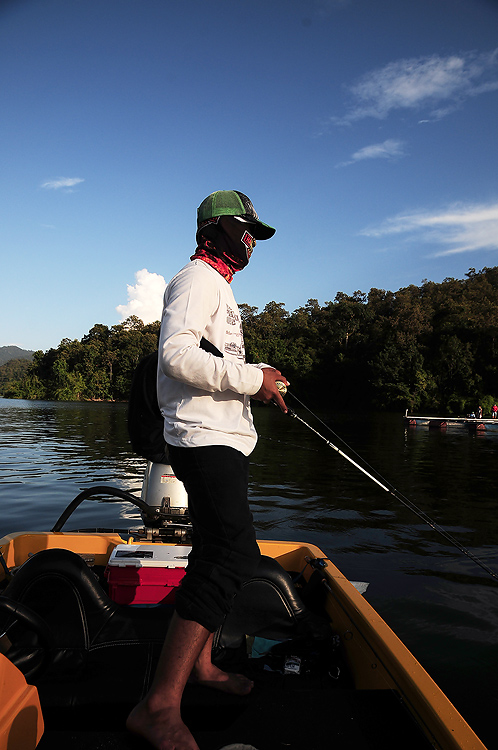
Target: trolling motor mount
x=165 y=495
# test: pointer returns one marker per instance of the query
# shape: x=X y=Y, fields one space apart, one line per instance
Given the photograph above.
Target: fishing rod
x=384 y=485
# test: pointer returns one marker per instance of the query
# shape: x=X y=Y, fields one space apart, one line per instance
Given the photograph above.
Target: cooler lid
x=149 y=555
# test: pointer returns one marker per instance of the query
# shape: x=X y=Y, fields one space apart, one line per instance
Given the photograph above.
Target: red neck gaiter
x=205 y=251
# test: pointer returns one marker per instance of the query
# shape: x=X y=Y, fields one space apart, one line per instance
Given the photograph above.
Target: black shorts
x=224 y=548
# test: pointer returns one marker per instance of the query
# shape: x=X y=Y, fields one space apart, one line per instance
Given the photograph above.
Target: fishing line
x=285 y=442
x=386 y=486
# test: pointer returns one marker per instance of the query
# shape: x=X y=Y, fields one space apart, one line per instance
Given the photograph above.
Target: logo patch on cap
x=204 y=223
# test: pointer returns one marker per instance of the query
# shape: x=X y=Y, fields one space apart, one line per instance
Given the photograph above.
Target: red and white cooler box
x=145 y=574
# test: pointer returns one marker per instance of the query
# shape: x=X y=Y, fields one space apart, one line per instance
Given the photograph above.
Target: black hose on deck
x=103 y=490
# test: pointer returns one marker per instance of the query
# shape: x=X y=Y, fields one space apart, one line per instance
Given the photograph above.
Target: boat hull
x=377 y=659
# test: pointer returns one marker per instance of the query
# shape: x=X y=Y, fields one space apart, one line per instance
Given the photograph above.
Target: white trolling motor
x=166 y=496
x=163 y=505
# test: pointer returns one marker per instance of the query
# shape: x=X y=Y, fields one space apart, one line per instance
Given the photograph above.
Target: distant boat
x=471 y=423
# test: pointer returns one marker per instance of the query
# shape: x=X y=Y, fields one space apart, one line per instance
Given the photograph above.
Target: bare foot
x=227 y=682
x=164 y=729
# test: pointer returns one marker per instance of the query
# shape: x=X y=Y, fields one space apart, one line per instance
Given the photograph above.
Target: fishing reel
x=166 y=513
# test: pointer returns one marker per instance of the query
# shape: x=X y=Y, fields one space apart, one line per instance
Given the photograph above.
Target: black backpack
x=145 y=421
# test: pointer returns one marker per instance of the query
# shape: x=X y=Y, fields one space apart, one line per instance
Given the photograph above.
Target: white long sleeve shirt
x=204 y=399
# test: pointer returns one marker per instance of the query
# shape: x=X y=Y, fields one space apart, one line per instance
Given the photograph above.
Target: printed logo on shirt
x=234 y=337
x=235 y=350
x=232 y=317
x=234 y=343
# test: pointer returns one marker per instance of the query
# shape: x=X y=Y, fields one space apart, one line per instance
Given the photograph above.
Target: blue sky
x=364 y=131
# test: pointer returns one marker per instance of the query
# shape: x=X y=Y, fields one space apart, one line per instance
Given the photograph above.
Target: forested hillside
x=8 y=353
x=431 y=347
x=99 y=367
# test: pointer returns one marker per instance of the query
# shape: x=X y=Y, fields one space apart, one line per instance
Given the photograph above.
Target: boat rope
x=386 y=486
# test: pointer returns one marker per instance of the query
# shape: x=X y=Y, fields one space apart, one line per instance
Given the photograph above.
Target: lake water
x=437 y=600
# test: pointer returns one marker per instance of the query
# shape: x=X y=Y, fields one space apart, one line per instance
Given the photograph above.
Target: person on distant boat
x=204 y=391
x=479 y=412
x=494 y=411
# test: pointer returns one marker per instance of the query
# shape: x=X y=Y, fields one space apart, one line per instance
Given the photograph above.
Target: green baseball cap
x=233 y=203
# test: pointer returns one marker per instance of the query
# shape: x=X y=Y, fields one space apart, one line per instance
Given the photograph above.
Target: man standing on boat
x=204 y=391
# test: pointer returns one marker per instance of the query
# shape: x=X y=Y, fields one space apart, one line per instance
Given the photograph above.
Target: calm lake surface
x=437 y=600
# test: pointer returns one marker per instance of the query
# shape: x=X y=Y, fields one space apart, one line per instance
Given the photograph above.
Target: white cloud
x=61 y=182
x=389 y=149
x=145 y=299
x=434 y=82
x=458 y=229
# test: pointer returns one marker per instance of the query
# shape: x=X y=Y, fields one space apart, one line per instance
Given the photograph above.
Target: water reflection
x=52 y=451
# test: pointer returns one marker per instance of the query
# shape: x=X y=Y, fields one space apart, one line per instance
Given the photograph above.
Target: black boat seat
x=95 y=641
x=268 y=606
